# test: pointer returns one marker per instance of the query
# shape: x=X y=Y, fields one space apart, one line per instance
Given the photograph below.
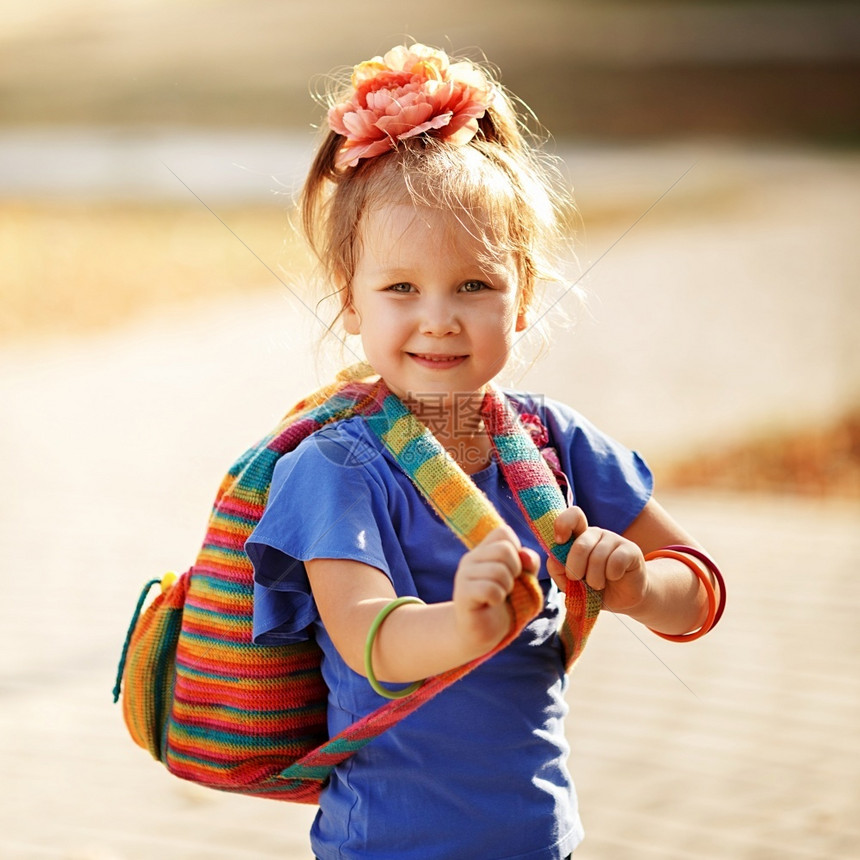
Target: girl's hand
x=607 y=561
x=484 y=579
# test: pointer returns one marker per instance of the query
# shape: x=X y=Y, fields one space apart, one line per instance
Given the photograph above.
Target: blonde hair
x=499 y=185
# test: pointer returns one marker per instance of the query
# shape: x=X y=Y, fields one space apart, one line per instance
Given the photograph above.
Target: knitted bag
x=221 y=711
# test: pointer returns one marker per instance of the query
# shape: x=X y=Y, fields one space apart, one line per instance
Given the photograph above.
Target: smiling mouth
x=434 y=360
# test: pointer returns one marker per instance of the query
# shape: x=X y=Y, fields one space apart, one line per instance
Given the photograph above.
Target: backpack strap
x=539 y=498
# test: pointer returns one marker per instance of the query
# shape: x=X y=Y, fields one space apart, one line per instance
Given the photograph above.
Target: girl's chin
x=441 y=397
x=432 y=390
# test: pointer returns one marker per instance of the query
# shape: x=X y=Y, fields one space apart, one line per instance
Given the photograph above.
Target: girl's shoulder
x=555 y=423
x=549 y=411
x=609 y=481
x=342 y=429
x=345 y=452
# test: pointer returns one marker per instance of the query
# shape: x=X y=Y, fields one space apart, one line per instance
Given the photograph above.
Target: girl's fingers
x=503 y=546
x=488 y=593
x=557 y=573
x=607 y=561
x=600 y=557
x=489 y=583
x=487 y=573
x=529 y=560
x=624 y=558
x=571 y=522
x=502 y=534
x=576 y=565
x=591 y=556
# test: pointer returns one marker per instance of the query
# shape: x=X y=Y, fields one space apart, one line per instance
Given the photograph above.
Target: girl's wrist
x=649 y=600
x=685 y=603
x=479 y=629
x=663 y=603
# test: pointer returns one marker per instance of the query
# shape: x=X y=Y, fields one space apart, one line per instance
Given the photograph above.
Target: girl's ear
x=351 y=319
x=522 y=319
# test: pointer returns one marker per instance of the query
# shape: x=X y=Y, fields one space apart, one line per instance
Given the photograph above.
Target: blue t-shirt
x=480 y=770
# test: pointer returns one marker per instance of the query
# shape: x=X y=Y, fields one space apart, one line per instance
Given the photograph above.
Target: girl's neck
x=457 y=425
x=471 y=455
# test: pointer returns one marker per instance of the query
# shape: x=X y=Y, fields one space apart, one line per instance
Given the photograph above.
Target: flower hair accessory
x=408 y=92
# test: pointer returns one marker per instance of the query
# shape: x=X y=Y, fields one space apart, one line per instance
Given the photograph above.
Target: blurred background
x=156 y=316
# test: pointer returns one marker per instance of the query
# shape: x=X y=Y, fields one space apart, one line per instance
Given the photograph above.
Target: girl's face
x=436 y=317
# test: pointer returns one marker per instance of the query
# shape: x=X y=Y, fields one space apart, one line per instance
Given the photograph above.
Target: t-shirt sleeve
x=324 y=502
x=611 y=483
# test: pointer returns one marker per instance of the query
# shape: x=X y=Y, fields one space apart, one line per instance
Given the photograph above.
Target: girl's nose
x=438 y=319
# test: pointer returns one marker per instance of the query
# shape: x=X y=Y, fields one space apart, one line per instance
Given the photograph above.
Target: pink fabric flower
x=407 y=92
x=535 y=428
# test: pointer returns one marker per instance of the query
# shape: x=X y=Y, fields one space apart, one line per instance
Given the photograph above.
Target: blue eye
x=473 y=287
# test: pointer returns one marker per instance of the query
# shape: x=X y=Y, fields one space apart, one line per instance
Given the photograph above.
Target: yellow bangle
x=368 y=651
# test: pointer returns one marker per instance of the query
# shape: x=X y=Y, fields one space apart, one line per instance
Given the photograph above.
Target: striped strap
x=539 y=498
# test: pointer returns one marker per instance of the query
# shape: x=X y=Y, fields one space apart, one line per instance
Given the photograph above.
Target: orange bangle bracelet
x=705 y=579
x=715 y=573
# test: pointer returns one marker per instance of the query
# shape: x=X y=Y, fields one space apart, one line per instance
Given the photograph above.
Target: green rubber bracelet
x=368 y=651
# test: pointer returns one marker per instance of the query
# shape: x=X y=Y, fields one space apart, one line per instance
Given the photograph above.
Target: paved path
x=744 y=745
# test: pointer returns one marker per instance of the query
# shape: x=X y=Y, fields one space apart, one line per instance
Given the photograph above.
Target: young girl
x=433 y=218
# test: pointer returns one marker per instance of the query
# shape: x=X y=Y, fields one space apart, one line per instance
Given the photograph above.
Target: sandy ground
x=743 y=745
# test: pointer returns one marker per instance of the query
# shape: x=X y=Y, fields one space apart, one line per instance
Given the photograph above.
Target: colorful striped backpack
x=226 y=713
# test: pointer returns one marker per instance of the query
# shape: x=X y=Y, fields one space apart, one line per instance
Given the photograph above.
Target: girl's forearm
x=414 y=642
x=675 y=601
